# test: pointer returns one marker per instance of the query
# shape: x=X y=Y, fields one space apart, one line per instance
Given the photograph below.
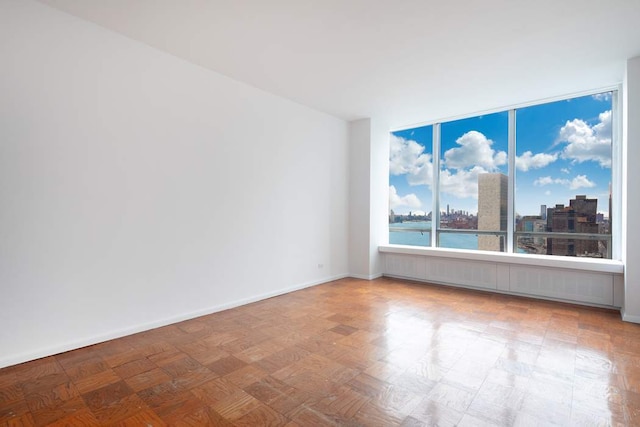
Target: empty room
x=341 y=213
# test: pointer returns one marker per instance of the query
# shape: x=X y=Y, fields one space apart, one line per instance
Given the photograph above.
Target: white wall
x=631 y=187
x=359 y=198
x=137 y=189
x=379 y=177
x=368 y=196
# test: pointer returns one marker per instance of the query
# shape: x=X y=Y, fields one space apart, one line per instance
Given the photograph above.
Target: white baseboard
x=366 y=277
x=629 y=317
x=15 y=359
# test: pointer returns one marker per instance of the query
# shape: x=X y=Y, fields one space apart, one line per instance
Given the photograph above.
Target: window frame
x=511 y=238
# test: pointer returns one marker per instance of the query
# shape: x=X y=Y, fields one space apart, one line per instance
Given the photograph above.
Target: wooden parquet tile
x=348 y=353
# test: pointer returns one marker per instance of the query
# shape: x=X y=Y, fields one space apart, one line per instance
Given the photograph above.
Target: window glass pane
x=410 y=181
x=563 y=177
x=473 y=182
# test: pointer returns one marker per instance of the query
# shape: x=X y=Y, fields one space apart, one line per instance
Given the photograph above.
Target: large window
x=410 y=186
x=529 y=180
x=473 y=183
x=563 y=177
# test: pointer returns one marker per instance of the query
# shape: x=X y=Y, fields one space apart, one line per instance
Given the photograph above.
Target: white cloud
x=461 y=183
x=403 y=155
x=588 y=143
x=546 y=180
x=565 y=170
x=410 y=200
x=408 y=157
x=462 y=165
x=474 y=150
x=528 y=160
x=423 y=174
x=580 y=181
x=606 y=96
x=547 y=193
x=603 y=128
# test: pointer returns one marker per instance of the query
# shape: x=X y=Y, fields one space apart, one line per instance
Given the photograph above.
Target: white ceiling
x=406 y=61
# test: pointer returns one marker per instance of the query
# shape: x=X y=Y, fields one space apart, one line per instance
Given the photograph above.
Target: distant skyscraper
x=492 y=210
x=543 y=211
x=585 y=207
x=578 y=217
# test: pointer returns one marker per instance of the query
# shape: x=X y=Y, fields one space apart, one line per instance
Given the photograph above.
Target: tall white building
x=492 y=210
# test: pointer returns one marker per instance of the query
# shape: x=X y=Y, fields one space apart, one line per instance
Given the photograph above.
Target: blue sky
x=562 y=149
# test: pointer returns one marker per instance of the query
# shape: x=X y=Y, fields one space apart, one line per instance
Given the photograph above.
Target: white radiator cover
x=468 y=273
x=557 y=283
x=596 y=288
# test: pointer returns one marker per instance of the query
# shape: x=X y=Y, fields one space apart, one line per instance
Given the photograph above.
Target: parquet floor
x=349 y=352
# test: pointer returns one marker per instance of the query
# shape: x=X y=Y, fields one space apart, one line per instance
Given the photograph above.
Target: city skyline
x=562 y=149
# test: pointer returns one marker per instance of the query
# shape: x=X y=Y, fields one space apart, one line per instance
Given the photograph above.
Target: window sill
x=575 y=263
